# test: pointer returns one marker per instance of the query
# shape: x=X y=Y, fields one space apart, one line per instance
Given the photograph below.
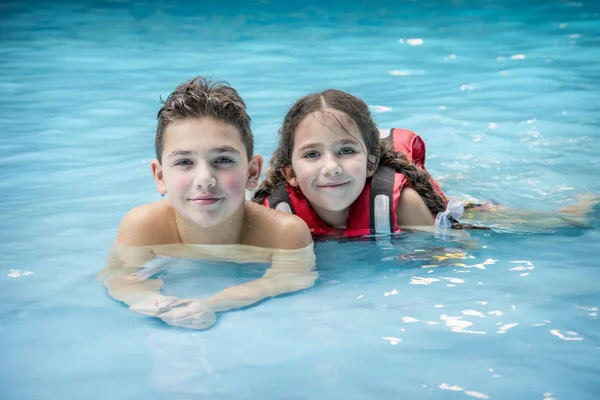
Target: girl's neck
x=227 y=232
x=336 y=219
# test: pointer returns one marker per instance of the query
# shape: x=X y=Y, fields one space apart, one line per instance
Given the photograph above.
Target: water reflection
x=569 y=335
x=471 y=393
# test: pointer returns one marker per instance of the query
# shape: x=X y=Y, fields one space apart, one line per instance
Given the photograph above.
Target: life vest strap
x=382 y=187
x=280 y=195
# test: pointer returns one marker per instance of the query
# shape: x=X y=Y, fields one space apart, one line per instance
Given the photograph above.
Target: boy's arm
x=289 y=272
x=292 y=269
x=122 y=262
x=128 y=255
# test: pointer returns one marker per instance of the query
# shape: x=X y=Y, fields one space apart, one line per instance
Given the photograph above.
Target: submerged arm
x=140 y=231
x=512 y=218
x=121 y=282
x=291 y=271
x=292 y=268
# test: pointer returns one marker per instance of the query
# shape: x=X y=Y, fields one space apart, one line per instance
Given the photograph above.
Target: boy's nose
x=205 y=178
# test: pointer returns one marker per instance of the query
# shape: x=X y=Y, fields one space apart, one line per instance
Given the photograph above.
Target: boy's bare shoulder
x=148 y=225
x=275 y=229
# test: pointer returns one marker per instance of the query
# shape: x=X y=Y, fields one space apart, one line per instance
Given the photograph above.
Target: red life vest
x=361 y=216
x=413 y=147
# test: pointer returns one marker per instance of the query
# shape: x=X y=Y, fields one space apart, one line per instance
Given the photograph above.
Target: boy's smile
x=206 y=200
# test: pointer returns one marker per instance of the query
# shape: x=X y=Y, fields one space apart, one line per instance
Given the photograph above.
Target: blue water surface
x=506 y=95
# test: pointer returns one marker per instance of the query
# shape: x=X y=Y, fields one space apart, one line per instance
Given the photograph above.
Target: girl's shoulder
x=412 y=210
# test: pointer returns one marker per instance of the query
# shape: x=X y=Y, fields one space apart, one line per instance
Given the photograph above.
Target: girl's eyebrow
x=341 y=142
x=347 y=141
x=310 y=145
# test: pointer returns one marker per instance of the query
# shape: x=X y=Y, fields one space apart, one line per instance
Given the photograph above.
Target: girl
x=332 y=170
x=336 y=171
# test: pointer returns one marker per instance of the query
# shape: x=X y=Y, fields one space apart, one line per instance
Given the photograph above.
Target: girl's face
x=329 y=162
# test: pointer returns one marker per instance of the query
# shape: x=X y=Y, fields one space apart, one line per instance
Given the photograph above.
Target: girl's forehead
x=329 y=122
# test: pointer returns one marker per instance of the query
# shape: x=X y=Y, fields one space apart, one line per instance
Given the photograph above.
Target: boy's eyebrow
x=224 y=149
x=176 y=153
x=220 y=149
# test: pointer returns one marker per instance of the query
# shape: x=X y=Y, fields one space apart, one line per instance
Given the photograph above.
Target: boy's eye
x=347 y=150
x=312 y=154
x=223 y=160
x=184 y=163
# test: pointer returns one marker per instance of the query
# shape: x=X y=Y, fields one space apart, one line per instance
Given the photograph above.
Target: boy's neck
x=227 y=232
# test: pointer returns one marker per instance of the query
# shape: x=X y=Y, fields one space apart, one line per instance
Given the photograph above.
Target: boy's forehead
x=202 y=131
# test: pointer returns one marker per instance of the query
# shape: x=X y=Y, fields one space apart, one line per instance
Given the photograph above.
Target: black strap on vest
x=280 y=195
x=382 y=183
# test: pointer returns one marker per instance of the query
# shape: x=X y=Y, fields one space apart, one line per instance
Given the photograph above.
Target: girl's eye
x=347 y=150
x=184 y=163
x=223 y=160
x=312 y=154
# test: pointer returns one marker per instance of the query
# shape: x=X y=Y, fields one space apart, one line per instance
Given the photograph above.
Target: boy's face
x=205 y=170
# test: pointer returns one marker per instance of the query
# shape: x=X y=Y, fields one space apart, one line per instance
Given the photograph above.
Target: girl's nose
x=331 y=166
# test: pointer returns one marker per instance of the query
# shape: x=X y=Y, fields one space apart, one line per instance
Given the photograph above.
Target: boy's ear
x=289 y=175
x=157 y=173
x=254 y=169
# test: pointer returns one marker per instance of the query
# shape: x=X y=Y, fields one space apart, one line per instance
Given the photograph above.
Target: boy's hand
x=154 y=305
x=189 y=313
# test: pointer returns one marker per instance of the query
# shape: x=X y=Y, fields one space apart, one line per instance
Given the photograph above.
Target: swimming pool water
x=505 y=94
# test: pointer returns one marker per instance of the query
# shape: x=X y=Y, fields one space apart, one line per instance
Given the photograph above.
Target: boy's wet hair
x=354 y=111
x=201 y=97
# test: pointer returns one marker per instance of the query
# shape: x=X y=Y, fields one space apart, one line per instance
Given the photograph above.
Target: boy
x=204 y=163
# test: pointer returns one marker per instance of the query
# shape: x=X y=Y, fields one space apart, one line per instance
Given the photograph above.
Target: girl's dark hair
x=201 y=97
x=358 y=113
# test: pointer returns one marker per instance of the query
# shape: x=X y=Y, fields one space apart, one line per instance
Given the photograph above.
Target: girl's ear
x=372 y=164
x=289 y=175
